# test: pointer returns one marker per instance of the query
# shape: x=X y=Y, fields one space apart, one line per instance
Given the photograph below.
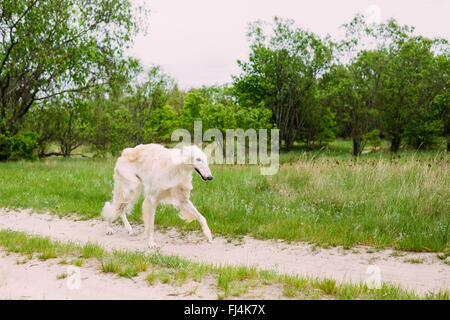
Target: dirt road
x=355 y=265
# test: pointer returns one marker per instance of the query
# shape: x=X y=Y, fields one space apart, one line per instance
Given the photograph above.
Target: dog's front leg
x=148 y=215
x=189 y=207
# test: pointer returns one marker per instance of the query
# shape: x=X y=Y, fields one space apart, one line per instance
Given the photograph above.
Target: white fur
x=165 y=175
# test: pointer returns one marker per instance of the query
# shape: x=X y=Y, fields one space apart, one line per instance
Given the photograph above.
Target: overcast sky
x=198 y=42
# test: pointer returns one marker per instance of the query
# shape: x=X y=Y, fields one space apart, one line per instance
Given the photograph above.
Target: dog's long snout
x=209 y=178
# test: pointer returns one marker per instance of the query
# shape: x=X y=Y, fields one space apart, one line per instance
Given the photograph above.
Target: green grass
x=414 y=260
x=324 y=197
x=231 y=281
x=77 y=262
x=62 y=276
x=444 y=256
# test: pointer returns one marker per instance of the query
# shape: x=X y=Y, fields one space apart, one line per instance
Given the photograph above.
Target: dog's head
x=195 y=157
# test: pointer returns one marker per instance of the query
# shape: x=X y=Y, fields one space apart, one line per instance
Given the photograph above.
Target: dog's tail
x=108 y=211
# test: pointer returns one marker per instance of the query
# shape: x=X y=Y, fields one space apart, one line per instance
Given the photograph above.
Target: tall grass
x=403 y=203
x=377 y=199
x=62 y=186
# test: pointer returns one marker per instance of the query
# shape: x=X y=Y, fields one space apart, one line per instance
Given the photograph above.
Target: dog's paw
x=152 y=245
x=109 y=231
x=208 y=236
x=132 y=233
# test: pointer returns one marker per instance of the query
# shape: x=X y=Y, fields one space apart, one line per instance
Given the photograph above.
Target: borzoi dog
x=166 y=177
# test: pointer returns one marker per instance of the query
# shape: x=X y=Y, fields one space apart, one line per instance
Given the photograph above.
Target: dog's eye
x=198 y=159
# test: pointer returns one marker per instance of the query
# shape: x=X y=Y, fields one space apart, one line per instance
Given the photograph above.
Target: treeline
x=64 y=81
x=382 y=81
x=113 y=117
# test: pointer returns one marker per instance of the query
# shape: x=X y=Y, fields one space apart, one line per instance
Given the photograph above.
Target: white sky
x=198 y=42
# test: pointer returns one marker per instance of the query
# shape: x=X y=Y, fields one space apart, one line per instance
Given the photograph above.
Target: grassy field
x=325 y=197
x=230 y=281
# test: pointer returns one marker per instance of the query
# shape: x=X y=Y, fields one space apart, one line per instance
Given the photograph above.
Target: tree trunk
x=289 y=143
x=395 y=143
x=357 y=141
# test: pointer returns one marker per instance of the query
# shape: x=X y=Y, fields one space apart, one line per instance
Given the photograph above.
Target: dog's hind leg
x=148 y=215
x=126 y=193
x=188 y=207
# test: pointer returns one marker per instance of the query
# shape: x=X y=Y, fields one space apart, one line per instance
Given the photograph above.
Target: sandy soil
x=42 y=280
x=355 y=265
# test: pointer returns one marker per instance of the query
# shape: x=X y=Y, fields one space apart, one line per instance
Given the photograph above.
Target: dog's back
x=142 y=152
x=153 y=164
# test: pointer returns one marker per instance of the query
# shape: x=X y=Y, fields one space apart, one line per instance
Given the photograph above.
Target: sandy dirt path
x=41 y=280
x=355 y=265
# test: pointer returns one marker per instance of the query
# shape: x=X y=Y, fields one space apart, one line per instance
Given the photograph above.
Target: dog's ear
x=181 y=156
x=186 y=155
x=130 y=154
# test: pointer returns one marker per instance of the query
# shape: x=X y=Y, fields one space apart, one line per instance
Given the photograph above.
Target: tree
x=409 y=86
x=43 y=122
x=282 y=73
x=441 y=101
x=395 y=79
x=353 y=92
x=64 y=120
x=146 y=98
x=193 y=103
x=175 y=98
x=52 y=47
x=364 y=56
x=162 y=123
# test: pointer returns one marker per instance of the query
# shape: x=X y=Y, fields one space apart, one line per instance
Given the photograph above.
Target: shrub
x=372 y=138
x=423 y=134
x=23 y=145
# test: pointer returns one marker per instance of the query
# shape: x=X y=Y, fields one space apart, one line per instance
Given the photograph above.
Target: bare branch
x=8 y=52
x=80 y=89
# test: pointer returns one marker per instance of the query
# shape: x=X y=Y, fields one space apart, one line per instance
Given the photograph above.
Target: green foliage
x=217 y=109
x=120 y=129
x=191 y=110
x=327 y=127
x=380 y=80
x=224 y=117
x=372 y=138
x=63 y=120
x=218 y=116
x=56 y=46
x=281 y=74
x=22 y=146
x=423 y=133
x=164 y=121
x=320 y=125
x=257 y=118
x=127 y=113
x=411 y=82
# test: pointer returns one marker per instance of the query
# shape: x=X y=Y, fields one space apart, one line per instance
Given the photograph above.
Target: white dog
x=166 y=177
